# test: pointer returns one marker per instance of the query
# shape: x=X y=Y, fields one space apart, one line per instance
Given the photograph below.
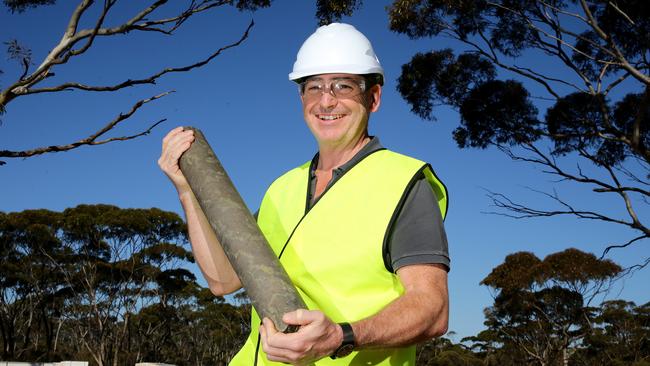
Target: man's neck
x=331 y=157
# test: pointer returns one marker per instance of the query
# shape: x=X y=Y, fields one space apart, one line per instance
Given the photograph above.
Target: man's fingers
x=302 y=317
x=269 y=326
x=279 y=341
x=280 y=354
x=174 y=135
x=275 y=344
x=176 y=144
x=180 y=137
x=171 y=134
x=183 y=146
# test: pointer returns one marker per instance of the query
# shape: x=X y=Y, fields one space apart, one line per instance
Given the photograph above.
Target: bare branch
x=632 y=176
x=492 y=57
x=75 y=42
x=619 y=55
x=562 y=11
x=637 y=267
x=61 y=53
x=562 y=30
x=519 y=211
x=560 y=81
x=179 y=19
x=92 y=139
x=555 y=169
x=100 y=20
x=559 y=43
x=622 y=191
x=149 y=80
x=554 y=49
x=613 y=84
x=613 y=5
x=625 y=245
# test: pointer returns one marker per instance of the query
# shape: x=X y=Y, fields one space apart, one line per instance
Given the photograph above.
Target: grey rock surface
x=265 y=280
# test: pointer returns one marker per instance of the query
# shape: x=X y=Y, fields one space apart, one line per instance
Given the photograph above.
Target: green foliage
x=442 y=352
x=541 y=315
x=101 y=283
x=252 y=4
x=110 y=285
x=436 y=78
x=621 y=335
x=19 y=6
x=497 y=112
x=18 y=52
x=419 y=18
x=576 y=268
x=518 y=272
x=586 y=63
x=328 y=11
x=494 y=113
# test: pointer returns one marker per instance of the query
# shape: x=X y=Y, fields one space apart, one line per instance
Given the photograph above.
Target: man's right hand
x=174 y=145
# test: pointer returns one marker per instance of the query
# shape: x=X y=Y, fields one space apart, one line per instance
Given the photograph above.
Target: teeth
x=330 y=117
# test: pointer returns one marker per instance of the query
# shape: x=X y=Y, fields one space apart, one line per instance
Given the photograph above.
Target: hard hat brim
x=335 y=69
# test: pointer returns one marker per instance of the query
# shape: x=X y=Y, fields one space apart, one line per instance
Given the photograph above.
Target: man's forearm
x=421 y=313
x=209 y=254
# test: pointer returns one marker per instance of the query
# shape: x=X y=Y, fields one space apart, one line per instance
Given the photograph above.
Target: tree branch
x=149 y=80
x=624 y=245
x=75 y=42
x=61 y=53
x=615 y=7
x=521 y=211
x=93 y=138
x=619 y=55
x=493 y=57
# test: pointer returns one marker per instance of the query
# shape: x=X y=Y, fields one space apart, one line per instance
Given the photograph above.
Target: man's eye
x=313 y=87
x=345 y=87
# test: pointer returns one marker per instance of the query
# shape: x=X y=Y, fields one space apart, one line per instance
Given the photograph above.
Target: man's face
x=336 y=108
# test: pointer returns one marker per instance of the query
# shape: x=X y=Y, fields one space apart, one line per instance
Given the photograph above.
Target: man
x=358 y=228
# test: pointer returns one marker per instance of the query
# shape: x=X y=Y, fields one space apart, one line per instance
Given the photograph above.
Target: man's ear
x=374 y=98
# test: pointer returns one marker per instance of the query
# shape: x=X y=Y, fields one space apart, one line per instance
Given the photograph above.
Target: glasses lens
x=346 y=87
x=312 y=88
x=340 y=88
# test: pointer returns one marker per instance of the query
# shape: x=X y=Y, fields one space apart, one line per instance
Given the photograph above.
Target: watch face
x=344 y=350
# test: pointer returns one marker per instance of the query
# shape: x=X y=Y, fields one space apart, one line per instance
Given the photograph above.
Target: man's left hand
x=317 y=337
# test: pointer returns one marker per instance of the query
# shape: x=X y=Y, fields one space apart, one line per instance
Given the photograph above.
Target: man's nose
x=327 y=99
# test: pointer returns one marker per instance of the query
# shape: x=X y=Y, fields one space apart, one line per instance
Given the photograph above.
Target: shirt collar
x=373 y=145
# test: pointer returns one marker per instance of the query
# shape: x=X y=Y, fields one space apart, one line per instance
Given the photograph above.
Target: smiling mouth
x=330 y=117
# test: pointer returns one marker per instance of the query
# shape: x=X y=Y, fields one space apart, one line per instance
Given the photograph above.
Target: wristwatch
x=347 y=345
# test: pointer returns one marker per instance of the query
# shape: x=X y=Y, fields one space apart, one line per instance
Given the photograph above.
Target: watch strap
x=347 y=345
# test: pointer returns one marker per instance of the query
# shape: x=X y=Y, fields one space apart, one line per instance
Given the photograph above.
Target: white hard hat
x=336 y=48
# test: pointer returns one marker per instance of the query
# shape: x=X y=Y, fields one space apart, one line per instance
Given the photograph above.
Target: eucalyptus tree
x=73 y=280
x=543 y=309
x=38 y=68
x=563 y=85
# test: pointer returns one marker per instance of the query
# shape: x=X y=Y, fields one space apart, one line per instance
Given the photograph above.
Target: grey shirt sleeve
x=418 y=234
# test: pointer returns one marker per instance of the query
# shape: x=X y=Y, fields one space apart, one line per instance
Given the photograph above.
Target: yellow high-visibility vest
x=334 y=252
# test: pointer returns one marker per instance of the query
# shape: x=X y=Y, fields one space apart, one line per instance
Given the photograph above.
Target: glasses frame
x=329 y=89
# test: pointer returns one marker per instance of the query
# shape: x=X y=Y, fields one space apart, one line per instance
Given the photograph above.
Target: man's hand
x=174 y=145
x=317 y=337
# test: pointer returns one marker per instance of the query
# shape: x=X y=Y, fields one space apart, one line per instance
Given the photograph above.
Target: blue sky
x=251 y=115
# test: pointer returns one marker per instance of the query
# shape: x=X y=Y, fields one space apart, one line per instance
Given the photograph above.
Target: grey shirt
x=417 y=236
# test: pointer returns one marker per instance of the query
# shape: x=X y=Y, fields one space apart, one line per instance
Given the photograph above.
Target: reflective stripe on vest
x=334 y=252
